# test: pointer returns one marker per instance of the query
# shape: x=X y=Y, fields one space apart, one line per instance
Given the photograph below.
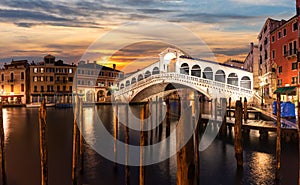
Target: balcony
x=291 y=54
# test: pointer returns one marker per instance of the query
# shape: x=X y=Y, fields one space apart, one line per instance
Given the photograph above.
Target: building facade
x=266 y=71
x=284 y=49
x=95 y=83
x=51 y=80
x=251 y=64
x=14 y=83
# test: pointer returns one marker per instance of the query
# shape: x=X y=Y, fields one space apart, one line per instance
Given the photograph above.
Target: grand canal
x=217 y=162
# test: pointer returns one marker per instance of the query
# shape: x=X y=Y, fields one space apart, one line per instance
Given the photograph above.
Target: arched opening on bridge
x=155 y=71
x=184 y=69
x=133 y=80
x=196 y=71
x=127 y=83
x=90 y=96
x=169 y=56
x=233 y=79
x=220 y=76
x=208 y=73
x=245 y=82
x=100 y=95
x=147 y=74
x=140 y=77
x=121 y=86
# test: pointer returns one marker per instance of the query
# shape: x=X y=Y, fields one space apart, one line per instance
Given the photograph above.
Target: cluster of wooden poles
x=77 y=149
x=187 y=161
x=238 y=135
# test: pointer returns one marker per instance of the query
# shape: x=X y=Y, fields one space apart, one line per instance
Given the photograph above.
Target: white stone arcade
x=212 y=79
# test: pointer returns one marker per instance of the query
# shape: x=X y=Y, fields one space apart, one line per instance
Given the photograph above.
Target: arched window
x=22 y=75
x=133 y=80
x=245 y=82
x=140 y=77
x=220 y=76
x=147 y=74
x=11 y=76
x=122 y=86
x=127 y=83
x=90 y=96
x=155 y=71
x=184 y=69
x=233 y=79
x=208 y=73
x=196 y=71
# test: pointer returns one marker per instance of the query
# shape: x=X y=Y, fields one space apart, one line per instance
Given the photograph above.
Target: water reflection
x=5 y=124
x=88 y=125
x=217 y=163
x=261 y=168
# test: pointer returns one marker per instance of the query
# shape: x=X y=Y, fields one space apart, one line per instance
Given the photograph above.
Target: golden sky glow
x=74 y=30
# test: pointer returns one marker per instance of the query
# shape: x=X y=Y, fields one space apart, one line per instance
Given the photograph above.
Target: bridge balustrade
x=198 y=81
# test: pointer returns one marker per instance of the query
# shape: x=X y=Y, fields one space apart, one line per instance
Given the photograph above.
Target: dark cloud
x=155 y=11
x=28 y=15
x=45 y=6
x=25 y=24
x=231 y=51
x=68 y=46
x=212 y=18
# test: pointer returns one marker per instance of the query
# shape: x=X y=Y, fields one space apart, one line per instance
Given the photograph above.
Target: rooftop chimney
x=298 y=7
x=114 y=66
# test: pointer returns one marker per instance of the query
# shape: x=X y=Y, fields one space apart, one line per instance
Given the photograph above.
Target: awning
x=284 y=90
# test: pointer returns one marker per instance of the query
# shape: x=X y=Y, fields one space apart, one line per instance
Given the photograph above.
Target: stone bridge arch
x=158 y=87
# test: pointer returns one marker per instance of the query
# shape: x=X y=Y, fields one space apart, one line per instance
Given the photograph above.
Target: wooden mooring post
x=168 y=117
x=127 y=169
x=196 y=136
x=245 y=110
x=238 y=134
x=229 y=105
x=216 y=109
x=116 y=123
x=43 y=143
x=278 y=138
x=298 y=142
x=81 y=136
x=2 y=153
x=160 y=127
x=185 y=157
x=75 y=144
x=143 y=136
x=223 y=129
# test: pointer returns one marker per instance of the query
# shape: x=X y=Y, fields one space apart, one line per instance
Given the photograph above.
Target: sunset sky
x=75 y=29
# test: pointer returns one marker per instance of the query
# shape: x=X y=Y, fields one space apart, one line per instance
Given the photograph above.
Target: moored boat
x=38 y=104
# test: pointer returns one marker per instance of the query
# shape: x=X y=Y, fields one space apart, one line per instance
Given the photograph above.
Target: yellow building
x=52 y=80
x=14 y=89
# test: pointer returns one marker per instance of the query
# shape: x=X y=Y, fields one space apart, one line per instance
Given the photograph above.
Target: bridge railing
x=198 y=81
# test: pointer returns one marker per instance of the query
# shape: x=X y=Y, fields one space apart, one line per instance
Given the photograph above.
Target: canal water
x=217 y=162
